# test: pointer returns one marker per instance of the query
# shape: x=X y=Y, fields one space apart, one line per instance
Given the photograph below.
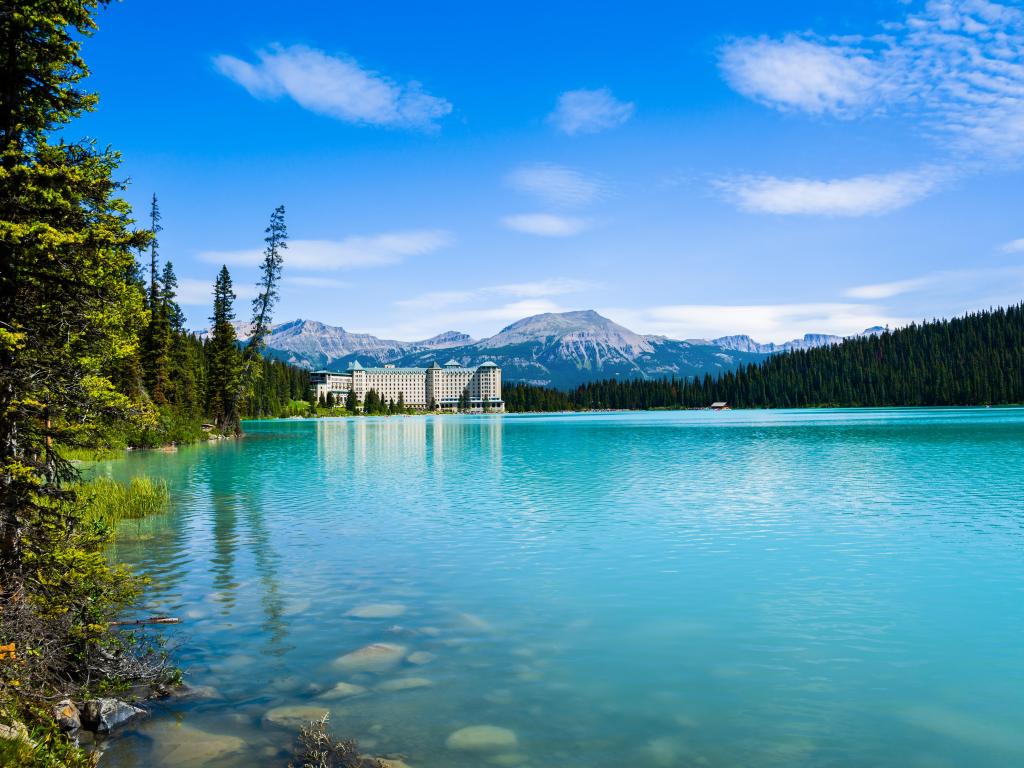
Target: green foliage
x=49 y=747
x=222 y=360
x=278 y=390
x=977 y=359
x=72 y=311
x=106 y=502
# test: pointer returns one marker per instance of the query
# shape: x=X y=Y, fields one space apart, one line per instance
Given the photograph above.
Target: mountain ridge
x=561 y=349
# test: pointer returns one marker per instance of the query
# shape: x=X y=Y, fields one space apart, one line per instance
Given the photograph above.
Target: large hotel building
x=418 y=387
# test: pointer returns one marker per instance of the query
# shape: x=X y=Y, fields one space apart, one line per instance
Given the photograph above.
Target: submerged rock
x=293 y=717
x=182 y=746
x=482 y=738
x=377 y=611
x=386 y=762
x=476 y=623
x=421 y=657
x=341 y=691
x=198 y=692
x=405 y=684
x=104 y=715
x=507 y=759
x=377 y=657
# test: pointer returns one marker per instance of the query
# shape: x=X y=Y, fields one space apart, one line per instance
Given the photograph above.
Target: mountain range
x=553 y=349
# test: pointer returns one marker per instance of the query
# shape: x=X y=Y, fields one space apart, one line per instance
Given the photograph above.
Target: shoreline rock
x=104 y=715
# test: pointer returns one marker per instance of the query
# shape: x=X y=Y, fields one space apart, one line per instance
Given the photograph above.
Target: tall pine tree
x=223 y=360
x=70 y=310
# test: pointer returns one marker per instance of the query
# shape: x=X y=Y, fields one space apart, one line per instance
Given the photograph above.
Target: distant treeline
x=977 y=359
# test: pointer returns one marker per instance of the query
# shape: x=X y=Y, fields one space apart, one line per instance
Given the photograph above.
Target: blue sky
x=770 y=169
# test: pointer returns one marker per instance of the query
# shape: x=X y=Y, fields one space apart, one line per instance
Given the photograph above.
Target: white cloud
x=794 y=73
x=350 y=253
x=555 y=286
x=555 y=184
x=1000 y=284
x=336 y=86
x=545 y=224
x=956 y=68
x=589 y=111
x=888 y=290
x=193 y=292
x=763 y=322
x=426 y=321
x=1014 y=246
x=856 y=196
x=481 y=311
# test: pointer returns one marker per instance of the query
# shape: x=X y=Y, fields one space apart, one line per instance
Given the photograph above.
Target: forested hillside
x=977 y=359
x=180 y=381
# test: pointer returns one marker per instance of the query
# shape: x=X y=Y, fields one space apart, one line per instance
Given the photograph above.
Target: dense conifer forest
x=977 y=359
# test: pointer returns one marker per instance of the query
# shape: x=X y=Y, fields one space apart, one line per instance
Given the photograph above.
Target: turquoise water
x=788 y=588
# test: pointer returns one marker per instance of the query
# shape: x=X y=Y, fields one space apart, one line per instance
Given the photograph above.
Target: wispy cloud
x=999 y=284
x=555 y=184
x=555 y=286
x=350 y=253
x=589 y=111
x=336 y=86
x=856 y=196
x=545 y=224
x=794 y=73
x=956 y=68
x=764 y=322
x=1014 y=246
x=478 y=321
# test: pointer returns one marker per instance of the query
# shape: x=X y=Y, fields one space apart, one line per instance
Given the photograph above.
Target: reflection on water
x=673 y=589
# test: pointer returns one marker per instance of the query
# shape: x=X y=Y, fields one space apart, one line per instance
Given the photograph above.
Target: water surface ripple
x=749 y=588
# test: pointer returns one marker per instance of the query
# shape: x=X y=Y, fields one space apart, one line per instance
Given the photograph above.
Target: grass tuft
x=108 y=502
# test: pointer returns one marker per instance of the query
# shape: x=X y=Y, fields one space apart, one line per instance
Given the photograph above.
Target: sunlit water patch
x=819 y=588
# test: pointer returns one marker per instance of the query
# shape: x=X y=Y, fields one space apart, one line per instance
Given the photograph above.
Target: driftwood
x=152 y=620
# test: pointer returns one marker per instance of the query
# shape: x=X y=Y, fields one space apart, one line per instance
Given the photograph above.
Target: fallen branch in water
x=153 y=620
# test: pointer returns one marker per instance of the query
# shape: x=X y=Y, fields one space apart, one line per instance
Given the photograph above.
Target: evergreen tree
x=224 y=366
x=351 y=404
x=262 y=309
x=168 y=298
x=329 y=401
x=70 y=309
x=158 y=341
x=977 y=359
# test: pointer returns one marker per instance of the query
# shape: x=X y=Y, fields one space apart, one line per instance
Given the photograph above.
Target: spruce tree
x=157 y=344
x=262 y=312
x=224 y=366
x=70 y=308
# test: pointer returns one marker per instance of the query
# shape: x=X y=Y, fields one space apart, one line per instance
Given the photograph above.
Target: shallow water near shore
x=745 y=588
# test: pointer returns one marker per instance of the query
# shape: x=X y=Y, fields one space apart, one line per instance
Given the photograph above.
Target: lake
x=744 y=588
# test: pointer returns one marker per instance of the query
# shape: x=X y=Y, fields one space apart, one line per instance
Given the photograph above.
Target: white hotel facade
x=418 y=387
